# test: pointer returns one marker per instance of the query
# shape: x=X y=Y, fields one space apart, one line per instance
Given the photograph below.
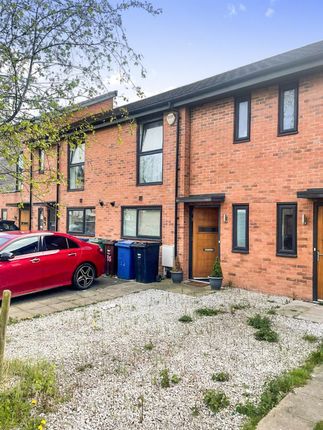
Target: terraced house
x=231 y=165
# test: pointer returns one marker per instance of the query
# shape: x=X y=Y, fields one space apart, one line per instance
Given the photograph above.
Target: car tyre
x=84 y=276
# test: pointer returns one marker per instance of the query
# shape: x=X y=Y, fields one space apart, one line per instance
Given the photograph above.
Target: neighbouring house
x=231 y=165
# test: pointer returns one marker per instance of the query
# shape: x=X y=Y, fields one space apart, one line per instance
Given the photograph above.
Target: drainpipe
x=176 y=182
x=57 y=184
x=31 y=191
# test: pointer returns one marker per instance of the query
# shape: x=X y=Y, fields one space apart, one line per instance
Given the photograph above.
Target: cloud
x=269 y=12
x=234 y=9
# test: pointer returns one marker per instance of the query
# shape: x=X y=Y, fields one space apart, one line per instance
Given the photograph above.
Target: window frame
x=73 y=233
x=235 y=208
x=237 y=101
x=140 y=129
x=2 y=212
x=41 y=161
x=279 y=251
x=69 y=165
x=282 y=88
x=138 y=208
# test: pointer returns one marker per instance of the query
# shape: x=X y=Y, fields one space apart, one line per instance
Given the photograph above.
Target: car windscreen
x=3 y=240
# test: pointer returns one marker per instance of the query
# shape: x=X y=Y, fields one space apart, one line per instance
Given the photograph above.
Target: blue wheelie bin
x=126 y=264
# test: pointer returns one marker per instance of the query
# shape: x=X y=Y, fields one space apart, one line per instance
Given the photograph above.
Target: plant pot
x=215 y=283
x=177 y=277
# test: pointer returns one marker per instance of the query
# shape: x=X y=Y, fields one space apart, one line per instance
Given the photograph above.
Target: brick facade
x=262 y=172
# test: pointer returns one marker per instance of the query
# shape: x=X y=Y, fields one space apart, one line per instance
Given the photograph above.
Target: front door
x=319 y=251
x=24 y=219
x=205 y=246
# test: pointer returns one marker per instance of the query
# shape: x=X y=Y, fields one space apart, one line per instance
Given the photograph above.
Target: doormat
x=196 y=283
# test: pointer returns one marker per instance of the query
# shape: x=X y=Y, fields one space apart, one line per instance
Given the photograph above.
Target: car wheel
x=84 y=276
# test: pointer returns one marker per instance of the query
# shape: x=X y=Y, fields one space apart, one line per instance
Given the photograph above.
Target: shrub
x=185 y=319
x=177 y=265
x=217 y=271
x=215 y=400
x=220 y=377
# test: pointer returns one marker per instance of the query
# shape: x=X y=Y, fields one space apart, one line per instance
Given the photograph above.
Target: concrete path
x=303 y=408
x=299 y=410
x=105 y=288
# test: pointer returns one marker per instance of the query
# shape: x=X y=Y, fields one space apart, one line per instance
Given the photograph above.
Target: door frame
x=316 y=206
x=190 y=248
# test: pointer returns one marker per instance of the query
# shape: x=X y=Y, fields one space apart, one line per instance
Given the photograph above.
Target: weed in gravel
x=221 y=377
x=208 y=312
x=33 y=393
x=149 y=346
x=267 y=335
x=276 y=389
x=195 y=411
x=259 y=322
x=318 y=426
x=164 y=378
x=13 y=320
x=175 y=379
x=215 y=400
x=140 y=406
x=185 y=319
x=272 y=311
x=84 y=367
x=310 y=338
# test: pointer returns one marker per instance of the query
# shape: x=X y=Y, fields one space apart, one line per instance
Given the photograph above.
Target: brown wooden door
x=205 y=241
x=24 y=219
x=320 y=253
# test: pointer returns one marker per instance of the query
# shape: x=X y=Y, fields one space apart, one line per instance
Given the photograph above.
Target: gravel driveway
x=110 y=356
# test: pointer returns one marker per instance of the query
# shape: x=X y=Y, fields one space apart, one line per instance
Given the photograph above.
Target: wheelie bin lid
x=124 y=243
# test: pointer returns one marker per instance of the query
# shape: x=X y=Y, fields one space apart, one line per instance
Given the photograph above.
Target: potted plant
x=216 y=276
x=177 y=272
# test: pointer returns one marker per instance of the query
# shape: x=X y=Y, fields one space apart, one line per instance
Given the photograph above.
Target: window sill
x=73 y=190
x=280 y=254
x=240 y=251
x=237 y=141
x=148 y=184
x=286 y=133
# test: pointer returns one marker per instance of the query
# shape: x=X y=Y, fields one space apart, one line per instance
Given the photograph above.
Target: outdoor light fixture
x=101 y=203
x=225 y=218
x=304 y=219
x=113 y=204
x=171 y=118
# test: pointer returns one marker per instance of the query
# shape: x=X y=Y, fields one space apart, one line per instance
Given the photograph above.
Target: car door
x=59 y=260
x=23 y=273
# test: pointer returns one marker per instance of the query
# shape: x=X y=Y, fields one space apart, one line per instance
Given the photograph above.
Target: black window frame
x=83 y=227
x=235 y=248
x=41 y=161
x=138 y=208
x=140 y=129
x=69 y=165
x=237 y=101
x=279 y=251
x=282 y=88
x=2 y=212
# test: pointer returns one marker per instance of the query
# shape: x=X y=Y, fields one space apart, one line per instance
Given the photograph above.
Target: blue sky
x=194 y=39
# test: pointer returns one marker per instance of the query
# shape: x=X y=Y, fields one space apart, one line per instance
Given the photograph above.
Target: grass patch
x=264 y=331
x=221 y=377
x=27 y=391
x=215 y=400
x=318 y=426
x=310 y=338
x=208 y=312
x=185 y=319
x=276 y=389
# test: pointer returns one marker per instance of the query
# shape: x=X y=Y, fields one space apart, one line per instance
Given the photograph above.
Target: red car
x=34 y=261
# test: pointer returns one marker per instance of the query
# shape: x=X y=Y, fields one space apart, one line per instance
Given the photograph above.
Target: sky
x=195 y=39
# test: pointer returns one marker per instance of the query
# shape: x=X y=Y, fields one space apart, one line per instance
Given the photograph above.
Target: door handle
x=35 y=260
x=318 y=255
x=71 y=254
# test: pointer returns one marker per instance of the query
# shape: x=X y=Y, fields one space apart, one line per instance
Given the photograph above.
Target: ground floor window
x=81 y=221
x=41 y=220
x=240 y=234
x=141 y=222
x=287 y=229
x=4 y=214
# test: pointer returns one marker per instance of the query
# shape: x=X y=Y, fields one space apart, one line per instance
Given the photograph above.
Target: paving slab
x=303 y=311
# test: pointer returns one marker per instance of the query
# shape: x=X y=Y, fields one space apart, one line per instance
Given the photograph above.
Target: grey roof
x=296 y=57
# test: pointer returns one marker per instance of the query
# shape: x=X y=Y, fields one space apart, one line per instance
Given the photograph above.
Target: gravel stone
x=103 y=366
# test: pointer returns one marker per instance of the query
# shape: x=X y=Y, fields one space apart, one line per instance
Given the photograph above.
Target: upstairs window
x=150 y=153
x=242 y=114
x=76 y=168
x=240 y=234
x=288 y=109
x=287 y=229
x=19 y=172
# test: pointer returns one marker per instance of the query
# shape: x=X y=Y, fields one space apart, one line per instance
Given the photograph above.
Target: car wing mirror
x=6 y=256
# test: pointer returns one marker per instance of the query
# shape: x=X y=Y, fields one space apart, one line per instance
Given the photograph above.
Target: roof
x=289 y=64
